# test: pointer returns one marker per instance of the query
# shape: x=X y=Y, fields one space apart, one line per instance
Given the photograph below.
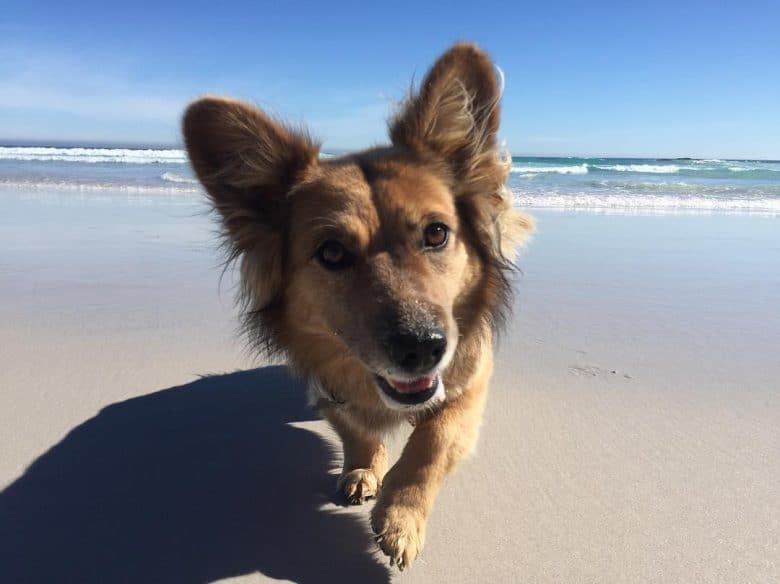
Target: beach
x=631 y=433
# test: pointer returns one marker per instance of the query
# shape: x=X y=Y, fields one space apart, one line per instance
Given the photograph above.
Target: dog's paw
x=400 y=532
x=358 y=485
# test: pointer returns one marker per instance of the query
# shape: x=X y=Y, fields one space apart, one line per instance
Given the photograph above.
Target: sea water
x=627 y=185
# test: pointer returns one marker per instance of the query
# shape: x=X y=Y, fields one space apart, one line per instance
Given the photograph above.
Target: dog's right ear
x=248 y=163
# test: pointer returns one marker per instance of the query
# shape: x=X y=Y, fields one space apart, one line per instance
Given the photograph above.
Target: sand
x=632 y=432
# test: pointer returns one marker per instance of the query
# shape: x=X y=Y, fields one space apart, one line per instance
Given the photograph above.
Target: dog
x=382 y=275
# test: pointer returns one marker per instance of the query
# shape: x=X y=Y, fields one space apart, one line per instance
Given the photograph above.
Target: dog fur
x=337 y=265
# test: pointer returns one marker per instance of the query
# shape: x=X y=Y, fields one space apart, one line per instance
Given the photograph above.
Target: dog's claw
x=358 y=485
x=400 y=533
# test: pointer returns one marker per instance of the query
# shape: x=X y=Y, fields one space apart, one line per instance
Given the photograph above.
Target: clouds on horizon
x=58 y=94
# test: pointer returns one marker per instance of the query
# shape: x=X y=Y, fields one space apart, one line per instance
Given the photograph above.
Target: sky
x=683 y=78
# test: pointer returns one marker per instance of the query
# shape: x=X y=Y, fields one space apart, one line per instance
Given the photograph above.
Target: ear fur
x=454 y=117
x=248 y=163
x=455 y=114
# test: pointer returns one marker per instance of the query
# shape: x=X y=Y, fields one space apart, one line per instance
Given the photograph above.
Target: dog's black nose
x=416 y=352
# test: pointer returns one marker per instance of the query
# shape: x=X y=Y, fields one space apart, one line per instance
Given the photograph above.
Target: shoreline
x=181 y=191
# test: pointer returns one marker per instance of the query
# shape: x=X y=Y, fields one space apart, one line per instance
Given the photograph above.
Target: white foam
x=84 y=186
x=94 y=155
x=177 y=178
x=753 y=169
x=647 y=202
x=646 y=168
x=579 y=169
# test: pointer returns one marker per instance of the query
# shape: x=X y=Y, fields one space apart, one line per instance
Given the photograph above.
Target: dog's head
x=389 y=257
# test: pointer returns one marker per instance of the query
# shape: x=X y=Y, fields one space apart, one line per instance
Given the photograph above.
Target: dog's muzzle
x=416 y=358
x=416 y=352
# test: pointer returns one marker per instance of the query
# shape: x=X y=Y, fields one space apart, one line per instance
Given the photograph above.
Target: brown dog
x=382 y=275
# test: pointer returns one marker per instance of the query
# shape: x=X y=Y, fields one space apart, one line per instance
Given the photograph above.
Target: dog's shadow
x=190 y=484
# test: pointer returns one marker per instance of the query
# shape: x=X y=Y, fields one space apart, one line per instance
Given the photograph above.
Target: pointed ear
x=248 y=163
x=455 y=115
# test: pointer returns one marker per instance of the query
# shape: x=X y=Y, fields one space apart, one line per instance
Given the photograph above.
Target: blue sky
x=621 y=78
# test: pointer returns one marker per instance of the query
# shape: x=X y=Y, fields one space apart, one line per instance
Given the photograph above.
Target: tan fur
x=279 y=203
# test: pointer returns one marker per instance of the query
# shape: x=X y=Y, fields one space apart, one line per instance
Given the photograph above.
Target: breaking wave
x=94 y=186
x=93 y=155
x=645 y=168
x=647 y=202
x=578 y=169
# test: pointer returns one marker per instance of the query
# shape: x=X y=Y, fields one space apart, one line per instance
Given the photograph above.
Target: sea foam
x=97 y=187
x=666 y=203
x=578 y=169
x=177 y=178
x=644 y=168
x=94 y=155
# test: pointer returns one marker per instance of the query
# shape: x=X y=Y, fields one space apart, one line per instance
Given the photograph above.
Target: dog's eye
x=436 y=235
x=333 y=256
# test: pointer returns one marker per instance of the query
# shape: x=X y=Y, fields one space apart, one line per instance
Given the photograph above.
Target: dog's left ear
x=454 y=117
x=455 y=114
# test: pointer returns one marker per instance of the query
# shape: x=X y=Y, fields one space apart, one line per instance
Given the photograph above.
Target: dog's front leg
x=365 y=460
x=435 y=447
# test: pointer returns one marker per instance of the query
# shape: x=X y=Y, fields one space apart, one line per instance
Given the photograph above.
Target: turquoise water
x=647 y=184
x=596 y=184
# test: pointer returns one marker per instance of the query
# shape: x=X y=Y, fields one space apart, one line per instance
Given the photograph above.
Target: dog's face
x=379 y=261
x=383 y=257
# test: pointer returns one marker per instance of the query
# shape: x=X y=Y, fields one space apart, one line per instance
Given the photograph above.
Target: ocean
x=622 y=185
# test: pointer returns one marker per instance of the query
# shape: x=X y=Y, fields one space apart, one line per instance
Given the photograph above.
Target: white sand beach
x=632 y=432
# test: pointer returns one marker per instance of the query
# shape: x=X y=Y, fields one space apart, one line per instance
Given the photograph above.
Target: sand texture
x=632 y=432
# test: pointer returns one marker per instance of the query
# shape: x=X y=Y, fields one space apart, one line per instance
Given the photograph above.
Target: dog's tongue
x=420 y=384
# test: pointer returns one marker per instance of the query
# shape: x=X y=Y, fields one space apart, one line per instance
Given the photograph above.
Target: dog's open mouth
x=412 y=392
